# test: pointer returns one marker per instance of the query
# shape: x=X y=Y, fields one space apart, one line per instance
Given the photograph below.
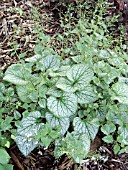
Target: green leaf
x=121 y=92
x=87 y=127
x=6 y=167
x=53 y=91
x=33 y=96
x=6 y=123
x=108 y=139
x=75 y=145
x=17 y=74
x=50 y=62
x=42 y=90
x=116 y=148
x=2 y=88
x=80 y=75
x=86 y=95
x=78 y=58
x=63 y=106
x=24 y=92
x=42 y=103
x=17 y=115
x=4 y=156
x=62 y=123
x=60 y=72
x=26 y=132
x=108 y=128
x=46 y=141
x=66 y=85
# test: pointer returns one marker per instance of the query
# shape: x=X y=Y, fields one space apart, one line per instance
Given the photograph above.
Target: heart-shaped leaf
x=80 y=75
x=62 y=123
x=121 y=92
x=17 y=74
x=63 y=106
x=86 y=127
x=86 y=95
x=27 y=131
x=50 y=62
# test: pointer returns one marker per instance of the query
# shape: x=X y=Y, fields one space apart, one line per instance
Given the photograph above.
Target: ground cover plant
x=67 y=97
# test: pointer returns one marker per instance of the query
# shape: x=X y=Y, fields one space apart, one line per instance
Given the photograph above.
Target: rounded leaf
x=80 y=75
x=121 y=92
x=50 y=61
x=86 y=95
x=86 y=127
x=27 y=131
x=17 y=74
x=63 y=106
x=62 y=123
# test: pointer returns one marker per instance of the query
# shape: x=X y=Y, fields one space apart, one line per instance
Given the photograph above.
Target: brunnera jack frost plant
x=72 y=97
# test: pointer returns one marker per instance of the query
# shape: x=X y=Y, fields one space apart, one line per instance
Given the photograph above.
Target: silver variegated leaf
x=86 y=127
x=66 y=85
x=62 y=123
x=17 y=74
x=26 y=132
x=63 y=106
x=50 y=62
x=121 y=92
x=86 y=95
x=80 y=75
x=34 y=58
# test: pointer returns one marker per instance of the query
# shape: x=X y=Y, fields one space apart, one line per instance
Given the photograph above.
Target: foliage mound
x=66 y=98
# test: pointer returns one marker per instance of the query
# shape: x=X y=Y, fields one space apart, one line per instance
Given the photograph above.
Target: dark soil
x=16 y=37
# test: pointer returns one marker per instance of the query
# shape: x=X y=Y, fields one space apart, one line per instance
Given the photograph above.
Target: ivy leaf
x=86 y=95
x=63 y=106
x=26 y=132
x=62 y=123
x=50 y=62
x=121 y=92
x=17 y=74
x=86 y=127
x=80 y=75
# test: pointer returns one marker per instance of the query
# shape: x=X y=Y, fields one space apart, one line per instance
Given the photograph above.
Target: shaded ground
x=18 y=19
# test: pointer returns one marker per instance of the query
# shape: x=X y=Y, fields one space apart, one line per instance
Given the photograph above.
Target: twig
x=16 y=161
